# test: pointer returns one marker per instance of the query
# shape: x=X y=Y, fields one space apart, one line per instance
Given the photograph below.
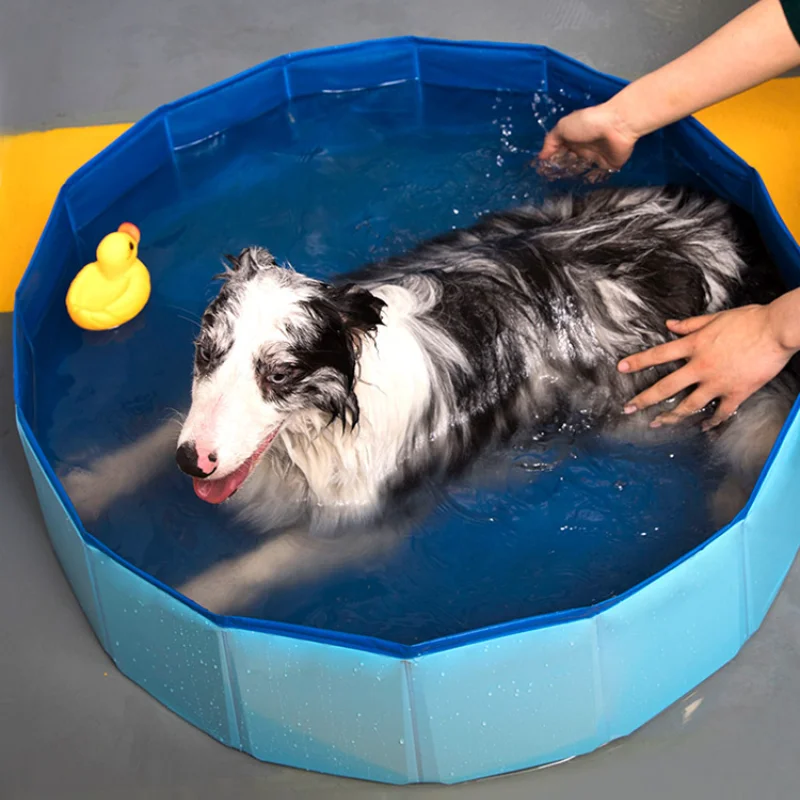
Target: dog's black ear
x=251 y=261
x=360 y=309
x=342 y=406
x=233 y=262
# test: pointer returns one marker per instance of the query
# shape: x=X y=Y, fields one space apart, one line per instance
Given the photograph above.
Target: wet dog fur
x=322 y=402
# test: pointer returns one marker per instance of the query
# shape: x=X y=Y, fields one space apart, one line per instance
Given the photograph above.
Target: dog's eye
x=209 y=352
x=275 y=377
x=204 y=354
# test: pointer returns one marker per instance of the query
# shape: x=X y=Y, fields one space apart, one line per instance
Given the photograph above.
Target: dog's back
x=559 y=293
x=545 y=300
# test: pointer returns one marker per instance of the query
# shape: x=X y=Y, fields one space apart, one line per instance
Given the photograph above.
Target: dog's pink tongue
x=220 y=490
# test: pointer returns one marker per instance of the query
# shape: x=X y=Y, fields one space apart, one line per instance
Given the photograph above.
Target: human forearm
x=752 y=48
x=784 y=317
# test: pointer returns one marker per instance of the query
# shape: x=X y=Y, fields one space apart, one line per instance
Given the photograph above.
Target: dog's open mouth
x=218 y=490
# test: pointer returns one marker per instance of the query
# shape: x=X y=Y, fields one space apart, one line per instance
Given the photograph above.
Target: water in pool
x=554 y=522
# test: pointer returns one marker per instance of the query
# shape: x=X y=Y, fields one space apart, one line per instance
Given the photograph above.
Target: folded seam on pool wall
x=759 y=125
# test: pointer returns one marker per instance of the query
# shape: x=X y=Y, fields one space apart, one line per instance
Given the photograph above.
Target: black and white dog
x=329 y=400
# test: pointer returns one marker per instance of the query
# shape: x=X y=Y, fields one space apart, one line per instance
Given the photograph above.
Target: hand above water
x=594 y=140
x=751 y=48
x=728 y=356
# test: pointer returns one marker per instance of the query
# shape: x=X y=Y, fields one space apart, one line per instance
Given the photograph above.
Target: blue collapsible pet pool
x=538 y=620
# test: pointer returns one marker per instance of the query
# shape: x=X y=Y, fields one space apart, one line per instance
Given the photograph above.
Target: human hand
x=729 y=356
x=594 y=140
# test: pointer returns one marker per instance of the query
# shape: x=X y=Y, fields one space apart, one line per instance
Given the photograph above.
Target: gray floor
x=70 y=725
x=82 y=61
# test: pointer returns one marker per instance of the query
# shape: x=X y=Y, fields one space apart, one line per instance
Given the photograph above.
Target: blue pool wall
x=509 y=697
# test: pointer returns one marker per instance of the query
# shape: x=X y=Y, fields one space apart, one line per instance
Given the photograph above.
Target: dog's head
x=274 y=349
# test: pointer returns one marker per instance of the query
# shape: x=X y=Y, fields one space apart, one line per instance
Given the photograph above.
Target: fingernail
x=629 y=409
x=623 y=366
x=655 y=423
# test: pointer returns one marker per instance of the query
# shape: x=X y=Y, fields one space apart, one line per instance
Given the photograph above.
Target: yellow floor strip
x=33 y=166
x=762 y=125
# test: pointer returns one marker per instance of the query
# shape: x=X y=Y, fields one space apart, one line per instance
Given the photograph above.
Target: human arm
x=753 y=47
x=729 y=356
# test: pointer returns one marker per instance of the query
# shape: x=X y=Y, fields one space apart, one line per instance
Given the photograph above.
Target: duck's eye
x=130 y=245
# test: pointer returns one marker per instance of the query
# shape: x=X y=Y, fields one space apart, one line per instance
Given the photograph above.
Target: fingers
x=661 y=354
x=693 y=404
x=662 y=390
x=570 y=164
x=727 y=408
x=552 y=144
x=598 y=175
x=690 y=325
x=559 y=158
x=563 y=163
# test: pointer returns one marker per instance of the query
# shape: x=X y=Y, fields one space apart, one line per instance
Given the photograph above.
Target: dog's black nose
x=187 y=460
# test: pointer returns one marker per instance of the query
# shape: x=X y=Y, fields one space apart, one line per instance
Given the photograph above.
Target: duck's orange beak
x=131 y=230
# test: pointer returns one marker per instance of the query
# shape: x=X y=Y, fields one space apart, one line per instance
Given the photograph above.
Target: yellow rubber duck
x=114 y=289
